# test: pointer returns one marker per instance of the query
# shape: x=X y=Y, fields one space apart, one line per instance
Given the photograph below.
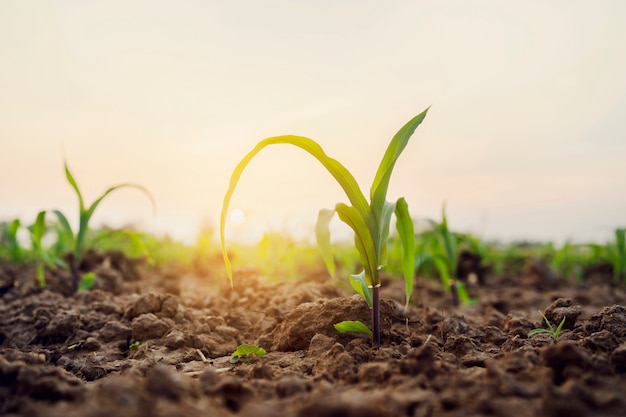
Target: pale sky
x=525 y=138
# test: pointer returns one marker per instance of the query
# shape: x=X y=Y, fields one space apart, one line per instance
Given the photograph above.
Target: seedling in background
x=440 y=246
x=246 y=352
x=617 y=255
x=550 y=330
x=9 y=245
x=85 y=214
x=369 y=221
x=134 y=346
x=44 y=258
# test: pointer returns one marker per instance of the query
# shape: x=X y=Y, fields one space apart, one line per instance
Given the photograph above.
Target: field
x=437 y=323
x=155 y=333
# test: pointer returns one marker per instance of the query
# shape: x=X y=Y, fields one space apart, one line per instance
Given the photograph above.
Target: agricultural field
x=99 y=322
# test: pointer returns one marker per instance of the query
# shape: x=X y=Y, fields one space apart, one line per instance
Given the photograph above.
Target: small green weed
x=246 y=352
x=550 y=330
x=352 y=326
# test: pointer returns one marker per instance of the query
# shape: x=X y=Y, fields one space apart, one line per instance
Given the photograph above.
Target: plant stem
x=376 y=315
x=75 y=275
x=455 y=294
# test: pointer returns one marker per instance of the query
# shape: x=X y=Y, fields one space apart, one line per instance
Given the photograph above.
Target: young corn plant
x=440 y=246
x=9 y=244
x=84 y=215
x=45 y=257
x=369 y=220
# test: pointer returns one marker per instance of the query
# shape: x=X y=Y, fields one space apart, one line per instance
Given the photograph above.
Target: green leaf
x=72 y=181
x=37 y=230
x=404 y=226
x=87 y=281
x=441 y=263
x=352 y=326
x=383 y=232
x=337 y=170
x=362 y=240
x=448 y=241
x=537 y=331
x=322 y=234
x=244 y=352
x=65 y=225
x=85 y=215
x=559 y=327
x=359 y=284
x=13 y=228
x=378 y=192
x=464 y=297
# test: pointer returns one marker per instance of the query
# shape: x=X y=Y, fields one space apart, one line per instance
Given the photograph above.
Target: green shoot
x=246 y=352
x=550 y=330
x=369 y=221
x=618 y=255
x=352 y=326
x=87 y=281
x=8 y=240
x=85 y=214
x=135 y=345
x=440 y=246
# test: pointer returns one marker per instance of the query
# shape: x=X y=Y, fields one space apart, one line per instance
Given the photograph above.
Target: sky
x=524 y=139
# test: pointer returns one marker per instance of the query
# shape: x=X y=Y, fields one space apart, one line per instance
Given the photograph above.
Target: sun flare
x=237 y=216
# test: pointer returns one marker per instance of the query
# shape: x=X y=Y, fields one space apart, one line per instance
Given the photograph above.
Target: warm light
x=237 y=216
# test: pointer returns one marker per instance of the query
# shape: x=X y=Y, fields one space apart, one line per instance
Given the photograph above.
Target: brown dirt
x=66 y=355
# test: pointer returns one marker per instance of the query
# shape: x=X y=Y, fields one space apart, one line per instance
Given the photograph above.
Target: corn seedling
x=9 y=244
x=44 y=257
x=245 y=353
x=85 y=213
x=550 y=330
x=369 y=220
x=439 y=246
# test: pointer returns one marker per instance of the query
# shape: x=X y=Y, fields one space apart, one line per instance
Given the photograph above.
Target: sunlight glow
x=237 y=216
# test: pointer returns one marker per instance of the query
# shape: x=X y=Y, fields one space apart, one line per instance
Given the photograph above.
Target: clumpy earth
x=155 y=343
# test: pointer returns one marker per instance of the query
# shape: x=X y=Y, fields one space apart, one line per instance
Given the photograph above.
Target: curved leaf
x=362 y=240
x=359 y=285
x=336 y=169
x=383 y=230
x=65 y=225
x=72 y=181
x=404 y=226
x=378 y=192
x=322 y=235
x=85 y=215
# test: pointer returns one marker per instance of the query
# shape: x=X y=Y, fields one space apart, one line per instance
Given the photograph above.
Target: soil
x=74 y=355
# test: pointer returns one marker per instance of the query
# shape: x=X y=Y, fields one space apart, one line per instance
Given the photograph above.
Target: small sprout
x=135 y=345
x=85 y=212
x=245 y=352
x=87 y=281
x=352 y=326
x=551 y=330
